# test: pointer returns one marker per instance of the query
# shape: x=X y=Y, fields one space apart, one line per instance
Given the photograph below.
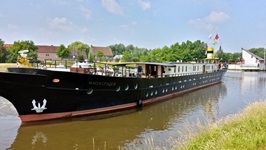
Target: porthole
x=126 y=87
x=56 y=80
x=89 y=91
x=135 y=86
x=117 y=89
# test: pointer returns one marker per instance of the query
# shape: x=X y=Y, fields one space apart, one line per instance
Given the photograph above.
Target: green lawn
x=243 y=131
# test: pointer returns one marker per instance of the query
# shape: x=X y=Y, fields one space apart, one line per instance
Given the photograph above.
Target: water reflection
x=125 y=130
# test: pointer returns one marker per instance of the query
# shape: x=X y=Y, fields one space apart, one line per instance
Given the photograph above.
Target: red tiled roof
x=107 y=51
x=47 y=49
x=41 y=48
x=7 y=45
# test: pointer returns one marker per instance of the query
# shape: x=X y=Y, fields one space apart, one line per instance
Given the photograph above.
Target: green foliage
x=258 y=51
x=119 y=49
x=126 y=57
x=22 y=45
x=228 y=57
x=3 y=52
x=80 y=58
x=91 y=59
x=79 y=46
x=103 y=59
x=243 y=131
x=99 y=55
x=62 y=52
x=187 y=51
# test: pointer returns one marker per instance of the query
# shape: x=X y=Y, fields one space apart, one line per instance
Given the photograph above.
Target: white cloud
x=210 y=21
x=145 y=4
x=216 y=17
x=86 y=12
x=61 y=24
x=112 y=6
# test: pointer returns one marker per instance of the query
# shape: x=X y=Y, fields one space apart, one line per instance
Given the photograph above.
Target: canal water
x=155 y=125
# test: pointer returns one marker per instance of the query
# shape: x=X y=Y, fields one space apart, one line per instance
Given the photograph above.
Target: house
x=251 y=61
x=107 y=51
x=48 y=52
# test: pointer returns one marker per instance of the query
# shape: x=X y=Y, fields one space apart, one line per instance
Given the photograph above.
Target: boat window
x=178 y=68
x=186 y=68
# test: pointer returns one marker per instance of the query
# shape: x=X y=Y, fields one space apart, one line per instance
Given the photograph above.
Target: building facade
x=251 y=61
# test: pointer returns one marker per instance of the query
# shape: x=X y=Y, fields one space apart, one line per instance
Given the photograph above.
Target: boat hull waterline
x=45 y=95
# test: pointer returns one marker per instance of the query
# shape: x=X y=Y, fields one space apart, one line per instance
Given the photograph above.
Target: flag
x=210 y=36
x=216 y=37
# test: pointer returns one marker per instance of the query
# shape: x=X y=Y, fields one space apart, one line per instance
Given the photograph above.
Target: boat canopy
x=137 y=63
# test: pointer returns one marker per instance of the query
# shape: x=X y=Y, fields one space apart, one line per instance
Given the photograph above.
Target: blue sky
x=143 y=23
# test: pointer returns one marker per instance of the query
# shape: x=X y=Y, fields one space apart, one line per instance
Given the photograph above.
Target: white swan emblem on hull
x=38 y=108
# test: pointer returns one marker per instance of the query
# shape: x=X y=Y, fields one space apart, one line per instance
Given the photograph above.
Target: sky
x=142 y=23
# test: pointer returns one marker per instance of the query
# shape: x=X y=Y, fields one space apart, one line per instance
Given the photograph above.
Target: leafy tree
x=91 y=57
x=118 y=49
x=144 y=58
x=126 y=57
x=79 y=46
x=62 y=52
x=80 y=58
x=99 y=55
x=3 y=52
x=22 y=45
x=135 y=59
x=258 y=51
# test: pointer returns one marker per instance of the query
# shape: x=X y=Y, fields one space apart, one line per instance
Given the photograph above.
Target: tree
x=22 y=45
x=258 y=51
x=3 y=52
x=99 y=55
x=62 y=52
x=79 y=46
x=126 y=56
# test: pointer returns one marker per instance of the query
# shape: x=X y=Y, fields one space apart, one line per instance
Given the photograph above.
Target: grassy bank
x=3 y=66
x=246 y=130
x=242 y=131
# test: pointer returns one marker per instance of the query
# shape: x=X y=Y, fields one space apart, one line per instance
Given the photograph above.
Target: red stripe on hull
x=51 y=116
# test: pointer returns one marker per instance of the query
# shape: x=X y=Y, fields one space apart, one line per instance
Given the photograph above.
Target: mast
x=210 y=51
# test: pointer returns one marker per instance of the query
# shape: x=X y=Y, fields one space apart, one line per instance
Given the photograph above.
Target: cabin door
x=203 y=69
x=151 y=70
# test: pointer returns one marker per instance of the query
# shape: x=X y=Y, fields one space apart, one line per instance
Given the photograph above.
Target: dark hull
x=72 y=94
